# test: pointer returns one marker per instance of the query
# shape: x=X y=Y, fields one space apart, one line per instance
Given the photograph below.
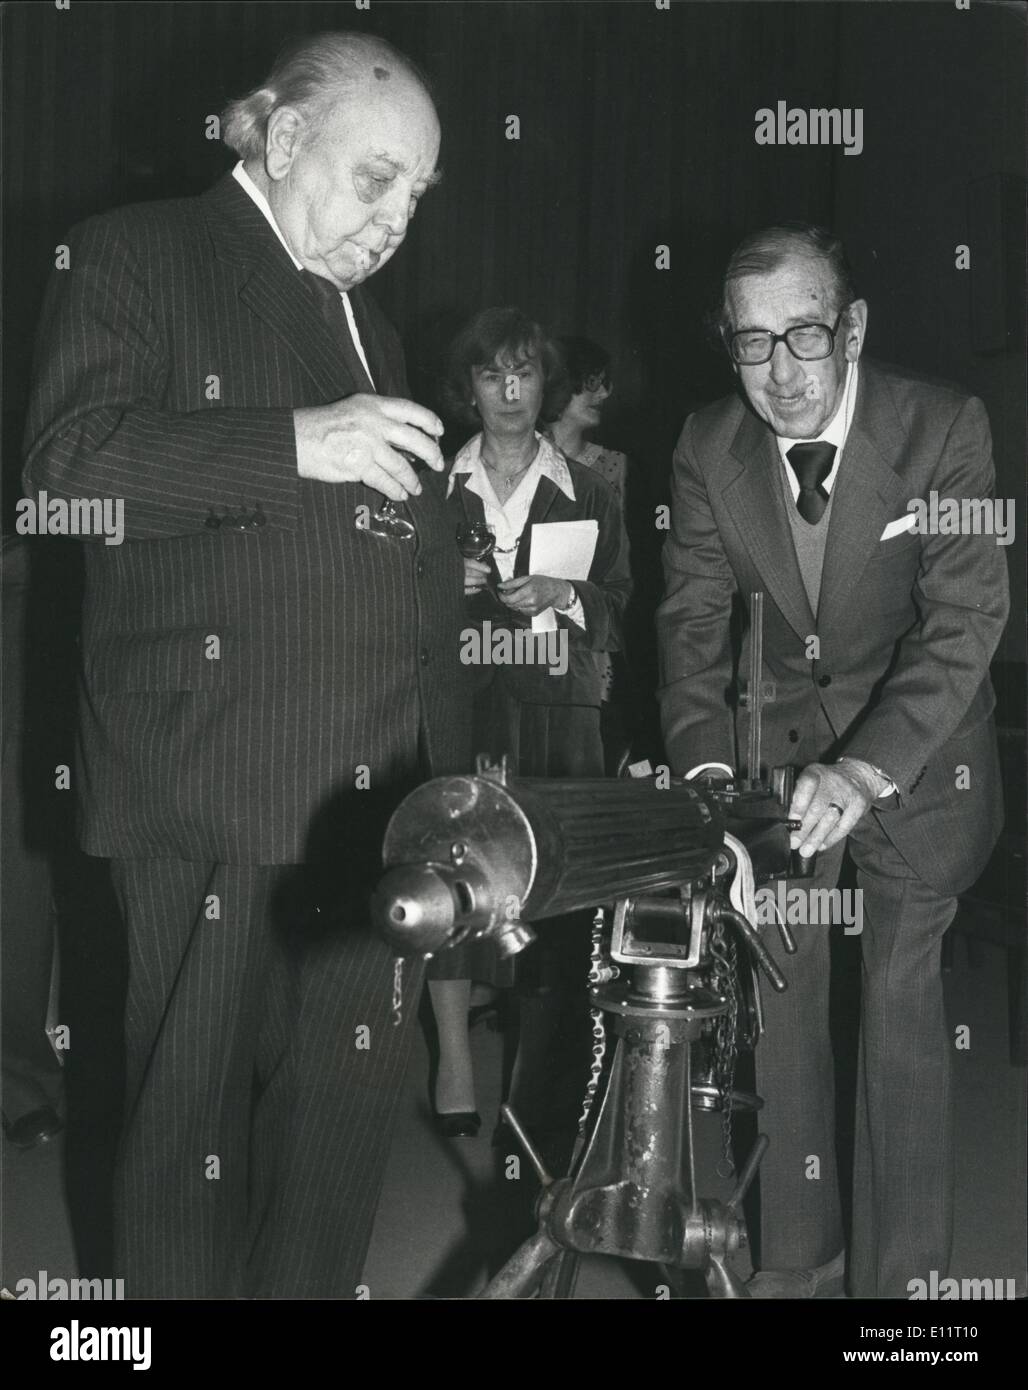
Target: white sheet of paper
x=563 y=550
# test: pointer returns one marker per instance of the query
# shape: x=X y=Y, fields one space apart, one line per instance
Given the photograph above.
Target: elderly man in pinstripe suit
x=270 y=660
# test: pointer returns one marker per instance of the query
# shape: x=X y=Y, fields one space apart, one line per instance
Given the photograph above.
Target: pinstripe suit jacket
x=906 y=624
x=248 y=646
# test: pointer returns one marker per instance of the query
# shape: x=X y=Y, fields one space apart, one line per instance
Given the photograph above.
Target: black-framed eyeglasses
x=808 y=342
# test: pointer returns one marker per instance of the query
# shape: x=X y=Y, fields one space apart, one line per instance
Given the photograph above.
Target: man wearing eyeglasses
x=270 y=662
x=877 y=641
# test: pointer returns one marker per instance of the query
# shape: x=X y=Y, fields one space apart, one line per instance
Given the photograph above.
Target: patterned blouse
x=612 y=467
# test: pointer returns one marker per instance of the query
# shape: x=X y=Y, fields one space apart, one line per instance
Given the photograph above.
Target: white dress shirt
x=507 y=520
x=835 y=432
x=247 y=184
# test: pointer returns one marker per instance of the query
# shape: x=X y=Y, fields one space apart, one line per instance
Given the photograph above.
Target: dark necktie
x=812 y=464
x=330 y=303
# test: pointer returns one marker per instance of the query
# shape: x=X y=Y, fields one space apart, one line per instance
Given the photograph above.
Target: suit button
x=419 y=569
x=794 y=736
x=824 y=680
x=424 y=656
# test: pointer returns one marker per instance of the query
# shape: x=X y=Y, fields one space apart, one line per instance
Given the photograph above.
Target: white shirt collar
x=549 y=463
x=835 y=432
x=247 y=184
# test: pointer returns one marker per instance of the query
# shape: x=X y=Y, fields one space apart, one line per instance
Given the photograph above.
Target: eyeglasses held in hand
x=475 y=540
x=386 y=521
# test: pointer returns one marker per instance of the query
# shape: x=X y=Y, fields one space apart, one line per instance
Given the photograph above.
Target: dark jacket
x=604 y=594
x=248 y=646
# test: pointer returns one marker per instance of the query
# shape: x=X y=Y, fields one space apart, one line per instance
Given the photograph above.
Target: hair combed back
x=765 y=251
x=311 y=74
x=503 y=334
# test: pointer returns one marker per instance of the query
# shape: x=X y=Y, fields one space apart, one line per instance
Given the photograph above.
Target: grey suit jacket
x=905 y=627
x=171 y=356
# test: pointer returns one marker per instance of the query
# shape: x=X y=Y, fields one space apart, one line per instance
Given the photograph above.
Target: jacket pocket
x=188 y=658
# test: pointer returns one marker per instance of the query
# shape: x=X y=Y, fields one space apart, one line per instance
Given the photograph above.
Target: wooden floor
x=441 y=1224
x=449 y=1214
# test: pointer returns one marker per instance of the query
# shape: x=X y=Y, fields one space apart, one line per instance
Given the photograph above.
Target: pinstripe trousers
x=903 y=1158
x=262 y=1071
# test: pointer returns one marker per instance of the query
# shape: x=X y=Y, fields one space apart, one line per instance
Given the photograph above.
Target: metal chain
x=601 y=971
x=397 y=991
x=725 y=982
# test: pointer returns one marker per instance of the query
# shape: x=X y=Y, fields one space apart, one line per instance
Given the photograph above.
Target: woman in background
x=507 y=377
x=588 y=370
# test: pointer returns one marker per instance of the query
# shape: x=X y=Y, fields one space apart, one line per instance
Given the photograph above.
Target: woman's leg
x=455 y=1082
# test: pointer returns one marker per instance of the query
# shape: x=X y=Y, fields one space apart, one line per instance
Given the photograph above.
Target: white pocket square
x=897 y=527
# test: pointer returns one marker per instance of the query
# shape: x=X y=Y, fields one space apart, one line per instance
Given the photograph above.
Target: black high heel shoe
x=459 y=1124
x=488 y=1013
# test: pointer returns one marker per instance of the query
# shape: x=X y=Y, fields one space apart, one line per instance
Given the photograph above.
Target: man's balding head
x=343 y=140
x=312 y=75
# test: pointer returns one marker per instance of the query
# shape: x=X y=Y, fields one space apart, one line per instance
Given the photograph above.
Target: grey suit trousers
x=903 y=1161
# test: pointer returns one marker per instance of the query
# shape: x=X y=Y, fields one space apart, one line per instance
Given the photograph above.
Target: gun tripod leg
x=561 y=1276
x=723 y=1282
x=526 y=1269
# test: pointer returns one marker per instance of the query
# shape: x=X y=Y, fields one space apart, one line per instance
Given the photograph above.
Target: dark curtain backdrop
x=637 y=129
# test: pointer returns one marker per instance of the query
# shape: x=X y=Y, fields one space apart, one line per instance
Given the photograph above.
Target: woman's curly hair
x=499 y=334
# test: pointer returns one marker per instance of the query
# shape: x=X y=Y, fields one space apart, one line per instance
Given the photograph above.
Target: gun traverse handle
x=783 y=784
x=762 y=955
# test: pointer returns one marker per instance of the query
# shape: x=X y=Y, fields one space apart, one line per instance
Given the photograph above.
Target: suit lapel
x=270 y=285
x=867 y=495
x=753 y=495
x=470 y=501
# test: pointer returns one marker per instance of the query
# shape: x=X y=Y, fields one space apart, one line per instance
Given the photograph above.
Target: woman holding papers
x=550 y=595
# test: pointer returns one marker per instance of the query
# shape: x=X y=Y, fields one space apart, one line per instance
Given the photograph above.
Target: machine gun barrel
x=471 y=856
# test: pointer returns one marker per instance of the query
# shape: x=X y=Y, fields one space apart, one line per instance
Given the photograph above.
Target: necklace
x=508 y=482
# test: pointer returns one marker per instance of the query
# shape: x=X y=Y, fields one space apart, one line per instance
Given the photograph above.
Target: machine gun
x=492 y=857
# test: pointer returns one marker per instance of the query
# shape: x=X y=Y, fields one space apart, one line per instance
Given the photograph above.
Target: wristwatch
x=567 y=607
